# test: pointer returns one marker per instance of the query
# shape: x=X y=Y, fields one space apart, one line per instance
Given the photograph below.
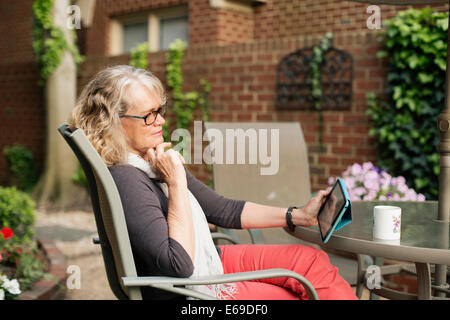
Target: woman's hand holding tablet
x=335 y=212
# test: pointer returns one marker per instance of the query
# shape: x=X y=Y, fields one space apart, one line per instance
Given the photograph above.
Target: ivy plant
x=184 y=103
x=138 y=56
x=49 y=42
x=404 y=121
x=315 y=77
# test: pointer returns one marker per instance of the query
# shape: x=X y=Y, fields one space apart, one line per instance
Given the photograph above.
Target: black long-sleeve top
x=146 y=208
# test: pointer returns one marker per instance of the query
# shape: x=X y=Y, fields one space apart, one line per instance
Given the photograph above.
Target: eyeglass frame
x=160 y=111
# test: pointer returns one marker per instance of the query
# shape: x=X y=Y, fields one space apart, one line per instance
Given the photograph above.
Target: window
x=133 y=34
x=171 y=29
x=158 y=27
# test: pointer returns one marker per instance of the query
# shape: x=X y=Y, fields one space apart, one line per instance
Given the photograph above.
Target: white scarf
x=207 y=261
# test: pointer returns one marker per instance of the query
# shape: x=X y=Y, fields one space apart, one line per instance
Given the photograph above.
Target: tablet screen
x=330 y=210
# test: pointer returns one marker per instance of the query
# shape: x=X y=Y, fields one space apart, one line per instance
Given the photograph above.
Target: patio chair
x=290 y=185
x=115 y=243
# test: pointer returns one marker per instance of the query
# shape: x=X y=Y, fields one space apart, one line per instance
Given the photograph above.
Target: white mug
x=387 y=222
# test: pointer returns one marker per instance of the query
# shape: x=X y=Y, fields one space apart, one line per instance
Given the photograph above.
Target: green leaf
x=442 y=23
x=382 y=54
x=397 y=92
x=413 y=61
x=442 y=64
x=425 y=77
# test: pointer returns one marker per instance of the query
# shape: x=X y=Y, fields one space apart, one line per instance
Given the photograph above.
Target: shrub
x=30 y=267
x=405 y=124
x=22 y=165
x=23 y=262
x=367 y=182
x=79 y=177
x=17 y=213
x=19 y=256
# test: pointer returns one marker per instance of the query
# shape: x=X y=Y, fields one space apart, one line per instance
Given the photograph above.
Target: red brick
x=341 y=150
x=339 y=129
x=254 y=107
x=327 y=160
x=244 y=117
x=368 y=85
x=264 y=117
x=264 y=57
x=353 y=140
x=330 y=139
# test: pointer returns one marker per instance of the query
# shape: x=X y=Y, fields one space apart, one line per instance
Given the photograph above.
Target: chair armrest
x=169 y=283
x=255 y=235
x=219 y=235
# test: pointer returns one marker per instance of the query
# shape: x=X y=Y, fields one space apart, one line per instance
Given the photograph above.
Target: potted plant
x=367 y=182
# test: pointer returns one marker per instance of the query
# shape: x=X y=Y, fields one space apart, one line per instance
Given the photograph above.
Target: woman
x=167 y=209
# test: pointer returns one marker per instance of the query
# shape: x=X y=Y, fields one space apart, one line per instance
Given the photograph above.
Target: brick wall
x=237 y=52
x=275 y=19
x=22 y=113
x=287 y=18
x=243 y=78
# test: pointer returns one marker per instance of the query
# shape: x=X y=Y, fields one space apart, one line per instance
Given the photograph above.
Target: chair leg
x=423 y=281
x=360 y=275
x=379 y=261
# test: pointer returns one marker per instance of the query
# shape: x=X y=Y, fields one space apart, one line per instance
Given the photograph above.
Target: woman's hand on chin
x=168 y=165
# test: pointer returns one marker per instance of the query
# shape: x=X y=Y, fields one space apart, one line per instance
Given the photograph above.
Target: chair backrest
x=108 y=212
x=287 y=183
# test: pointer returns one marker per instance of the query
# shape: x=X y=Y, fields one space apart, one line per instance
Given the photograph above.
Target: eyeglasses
x=150 y=118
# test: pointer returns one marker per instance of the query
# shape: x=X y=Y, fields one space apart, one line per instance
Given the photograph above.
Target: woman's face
x=140 y=136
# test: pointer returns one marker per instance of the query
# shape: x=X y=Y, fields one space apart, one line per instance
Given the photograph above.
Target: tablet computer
x=335 y=212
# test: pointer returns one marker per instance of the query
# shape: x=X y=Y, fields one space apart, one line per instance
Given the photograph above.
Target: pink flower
x=367 y=166
x=371 y=184
x=331 y=180
x=349 y=182
x=356 y=169
x=372 y=175
x=420 y=197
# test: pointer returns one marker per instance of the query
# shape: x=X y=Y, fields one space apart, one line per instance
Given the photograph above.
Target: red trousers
x=311 y=263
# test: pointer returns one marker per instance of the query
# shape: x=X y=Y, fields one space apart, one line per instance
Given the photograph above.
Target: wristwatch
x=289 y=222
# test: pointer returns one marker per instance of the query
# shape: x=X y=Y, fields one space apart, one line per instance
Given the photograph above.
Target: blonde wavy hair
x=100 y=104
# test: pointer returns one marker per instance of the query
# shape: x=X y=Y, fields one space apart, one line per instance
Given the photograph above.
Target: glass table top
x=423 y=238
x=419 y=227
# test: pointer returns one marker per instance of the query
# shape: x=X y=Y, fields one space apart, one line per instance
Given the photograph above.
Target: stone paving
x=73 y=232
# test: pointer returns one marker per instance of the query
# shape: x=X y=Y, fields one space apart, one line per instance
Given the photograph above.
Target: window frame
x=152 y=18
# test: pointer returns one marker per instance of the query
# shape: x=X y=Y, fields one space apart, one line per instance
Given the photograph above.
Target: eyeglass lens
x=152 y=116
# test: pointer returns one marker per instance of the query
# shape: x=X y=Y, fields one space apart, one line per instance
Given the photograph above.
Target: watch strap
x=289 y=222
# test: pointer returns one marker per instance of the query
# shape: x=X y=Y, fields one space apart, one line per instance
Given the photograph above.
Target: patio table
x=424 y=240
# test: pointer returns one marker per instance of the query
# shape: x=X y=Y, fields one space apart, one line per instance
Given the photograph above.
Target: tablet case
x=345 y=216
